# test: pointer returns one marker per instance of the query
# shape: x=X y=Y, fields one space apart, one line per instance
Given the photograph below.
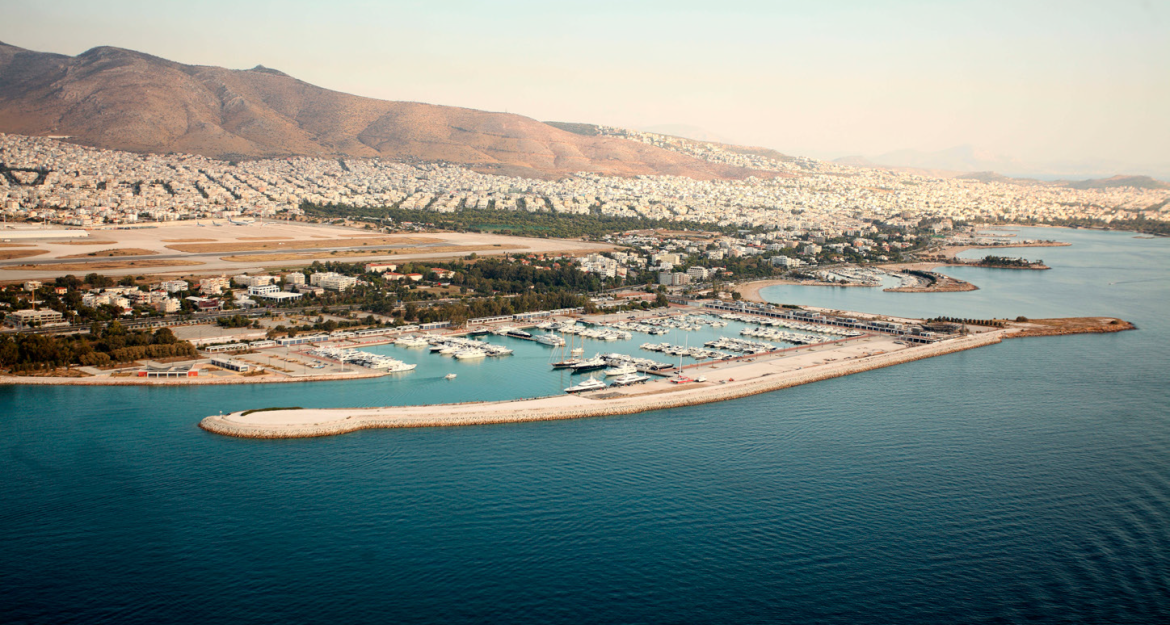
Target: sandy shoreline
x=750 y=291
x=752 y=378
x=955 y=250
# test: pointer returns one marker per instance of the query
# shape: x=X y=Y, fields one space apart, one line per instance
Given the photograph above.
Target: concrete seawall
x=329 y=422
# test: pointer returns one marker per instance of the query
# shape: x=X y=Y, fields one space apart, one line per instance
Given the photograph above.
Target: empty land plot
x=260 y=246
x=88 y=242
x=121 y=251
x=103 y=264
x=17 y=245
x=429 y=251
x=11 y=254
x=187 y=240
x=263 y=238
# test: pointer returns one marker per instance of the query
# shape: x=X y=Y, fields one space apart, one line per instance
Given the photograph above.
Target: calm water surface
x=1023 y=482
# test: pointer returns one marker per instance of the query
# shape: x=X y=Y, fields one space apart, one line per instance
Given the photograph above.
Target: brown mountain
x=120 y=99
x=1137 y=182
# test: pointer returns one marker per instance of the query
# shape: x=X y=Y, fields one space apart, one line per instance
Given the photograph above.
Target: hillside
x=120 y=99
x=1137 y=182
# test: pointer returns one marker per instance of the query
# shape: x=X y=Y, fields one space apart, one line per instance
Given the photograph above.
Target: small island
x=1005 y=262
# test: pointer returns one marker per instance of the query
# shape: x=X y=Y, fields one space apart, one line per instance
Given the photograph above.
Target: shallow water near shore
x=1026 y=481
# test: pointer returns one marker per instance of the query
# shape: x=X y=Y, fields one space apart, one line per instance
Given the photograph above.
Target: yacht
x=593 y=364
x=398 y=367
x=520 y=334
x=628 y=379
x=550 y=339
x=622 y=369
x=592 y=384
x=566 y=364
x=470 y=353
x=449 y=376
x=411 y=341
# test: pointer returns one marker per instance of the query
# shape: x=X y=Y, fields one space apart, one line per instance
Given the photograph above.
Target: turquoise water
x=1023 y=482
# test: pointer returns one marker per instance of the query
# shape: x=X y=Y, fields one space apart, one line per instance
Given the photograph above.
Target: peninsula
x=712 y=382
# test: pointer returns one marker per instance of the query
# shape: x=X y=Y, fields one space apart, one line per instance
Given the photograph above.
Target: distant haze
x=1081 y=85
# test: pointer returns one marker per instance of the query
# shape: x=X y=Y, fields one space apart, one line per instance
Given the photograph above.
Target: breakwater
x=329 y=422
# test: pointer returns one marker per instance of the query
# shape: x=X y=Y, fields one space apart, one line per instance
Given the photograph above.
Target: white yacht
x=550 y=339
x=398 y=366
x=592 y=384
x=622 y=369
x=470 y=354
x=411 y=341
x=449 y=376
x=629 y=378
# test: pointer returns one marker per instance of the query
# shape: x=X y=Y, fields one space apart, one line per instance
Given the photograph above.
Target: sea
x=1024 y=482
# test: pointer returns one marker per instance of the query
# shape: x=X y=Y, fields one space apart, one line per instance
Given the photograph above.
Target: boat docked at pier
x=470 y=353
x=362 y=359
x=620 y=370
x=411 y=341
x=629 y=379
x=550 y=339
x=591 y=364
x=591 y=384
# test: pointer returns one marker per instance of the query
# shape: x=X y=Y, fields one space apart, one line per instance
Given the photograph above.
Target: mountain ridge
x=114 y=98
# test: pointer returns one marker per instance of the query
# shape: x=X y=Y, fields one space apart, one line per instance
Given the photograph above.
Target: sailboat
x=679 y=378
x=567 y=363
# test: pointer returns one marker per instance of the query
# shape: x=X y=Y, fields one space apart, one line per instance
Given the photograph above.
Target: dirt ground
x=11 y=254
x=257 y=245
x=122 y=251
x=1070 y=325
x=390 y=254
x=105 y=265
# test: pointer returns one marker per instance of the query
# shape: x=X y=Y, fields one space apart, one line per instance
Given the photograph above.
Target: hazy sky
x=1043 y=81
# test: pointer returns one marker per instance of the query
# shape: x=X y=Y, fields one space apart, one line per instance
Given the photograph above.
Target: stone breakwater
x=329 y=422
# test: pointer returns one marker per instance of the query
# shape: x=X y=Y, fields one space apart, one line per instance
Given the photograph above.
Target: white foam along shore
x=749 y=379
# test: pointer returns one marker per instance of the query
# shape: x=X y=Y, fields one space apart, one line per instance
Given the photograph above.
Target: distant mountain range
x=125 y=100
x=120 y=99
x=967 y=160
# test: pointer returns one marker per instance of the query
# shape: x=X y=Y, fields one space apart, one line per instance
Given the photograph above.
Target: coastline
x=279 y=424
x=954 y=250
x=14 y=380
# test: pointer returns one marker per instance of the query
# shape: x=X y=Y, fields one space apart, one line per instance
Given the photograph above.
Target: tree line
x=102 y=346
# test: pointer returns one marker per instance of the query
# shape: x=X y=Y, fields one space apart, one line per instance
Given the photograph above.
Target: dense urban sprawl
x=48 y=180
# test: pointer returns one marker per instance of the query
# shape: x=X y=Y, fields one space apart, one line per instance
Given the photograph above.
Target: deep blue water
x=1023 y=482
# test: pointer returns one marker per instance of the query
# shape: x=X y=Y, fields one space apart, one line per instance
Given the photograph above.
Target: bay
x=1026 y=481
